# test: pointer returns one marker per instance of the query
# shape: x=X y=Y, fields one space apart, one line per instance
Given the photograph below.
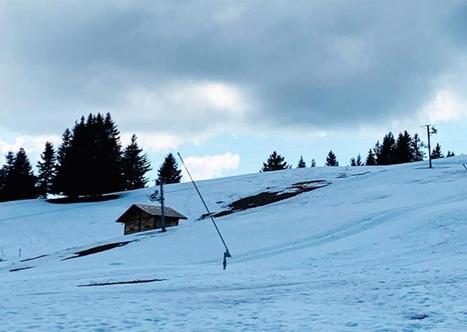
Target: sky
x=227 y=82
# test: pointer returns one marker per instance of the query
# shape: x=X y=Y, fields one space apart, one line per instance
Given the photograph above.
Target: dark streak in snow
x=121 y=282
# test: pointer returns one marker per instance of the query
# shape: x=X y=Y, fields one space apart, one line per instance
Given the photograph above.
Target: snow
x=379 y=249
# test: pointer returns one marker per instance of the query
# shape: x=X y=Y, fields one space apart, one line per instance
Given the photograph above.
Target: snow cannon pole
x=227 y=252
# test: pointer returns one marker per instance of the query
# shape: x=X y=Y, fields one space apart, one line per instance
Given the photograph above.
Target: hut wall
x=131 y=227
x=169 y=222
x=139 y=221
x=147 y=223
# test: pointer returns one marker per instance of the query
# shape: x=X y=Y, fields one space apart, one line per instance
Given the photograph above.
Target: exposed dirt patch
x=344 y=175
x=33 y=258
x=418 y=316
x=269 y=197
x=82 y=199
x=95 y=250
x=144 y=281
x=21 y=268
x=304 y=183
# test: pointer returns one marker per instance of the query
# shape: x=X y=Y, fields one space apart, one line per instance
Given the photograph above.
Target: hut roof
x=153 y=210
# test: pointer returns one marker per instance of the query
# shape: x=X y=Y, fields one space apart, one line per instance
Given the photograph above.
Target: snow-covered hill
x=377 y=248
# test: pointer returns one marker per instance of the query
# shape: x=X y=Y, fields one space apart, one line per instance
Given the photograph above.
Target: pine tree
x=169 y=172
x=331 y=159
x=436 y=153
x=359 y=160
x=112 y=154
x=5 y=176
x=20 y=182
x=377 y=151
x=450 y=154
x=78 y=161
x=356 y=161
x=89 y=160
x=403 y=149
x=385 y=154
x=371 y=158
x=275 y=162
x=416 y=147
x=301 y=163
x=134 y=166
x=313 y=162
x=46 y=169
x=62 y=169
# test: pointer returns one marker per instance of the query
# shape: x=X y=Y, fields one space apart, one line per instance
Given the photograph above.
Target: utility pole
x=161 y=182
x=429 y=131
x=159 y=197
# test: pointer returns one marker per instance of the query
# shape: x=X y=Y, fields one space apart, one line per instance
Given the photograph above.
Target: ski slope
x=378 y=249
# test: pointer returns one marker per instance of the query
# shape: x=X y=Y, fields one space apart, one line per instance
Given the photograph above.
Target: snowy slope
x=376 y=249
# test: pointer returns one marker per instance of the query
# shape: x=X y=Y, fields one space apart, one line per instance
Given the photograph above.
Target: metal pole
x=227 y=252
x=429 y=145
x=161 y=183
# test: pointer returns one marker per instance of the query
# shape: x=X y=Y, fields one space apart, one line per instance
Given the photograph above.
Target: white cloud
x=32 y=144
x=196 y=106
x=445 y=106
x=229 y=14
x=212 y=166
x=180 y=112
x=153 y=142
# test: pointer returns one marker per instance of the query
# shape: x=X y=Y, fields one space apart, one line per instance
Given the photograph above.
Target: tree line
x=90 y=161
x=405 y=149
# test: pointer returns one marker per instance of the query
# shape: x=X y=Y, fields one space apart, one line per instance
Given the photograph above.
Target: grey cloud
x=327 y=64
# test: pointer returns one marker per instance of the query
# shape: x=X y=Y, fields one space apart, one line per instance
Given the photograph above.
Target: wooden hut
x=141 y=217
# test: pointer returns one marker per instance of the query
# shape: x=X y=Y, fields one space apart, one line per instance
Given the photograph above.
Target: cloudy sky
x=227 y=82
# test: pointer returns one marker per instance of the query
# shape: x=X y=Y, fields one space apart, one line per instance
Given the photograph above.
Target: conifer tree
x=313 y=162
x=168 y=171
x=78 y=161
x=90 y=158
x=20 y=182
x=62 y=168
x=103 y=167
x=417 y=148
x=403 y=149
x=134 y=166
x=331 y=159
x=112 y=154
x=377 y=151
x=46 y=169
x=5 y=176
x=301 y=163
x=436 y=153
x=450 y=154
x=275 y=162
x=371 y=158
x=359 y=160
x=356 y=161
x=385 y=154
